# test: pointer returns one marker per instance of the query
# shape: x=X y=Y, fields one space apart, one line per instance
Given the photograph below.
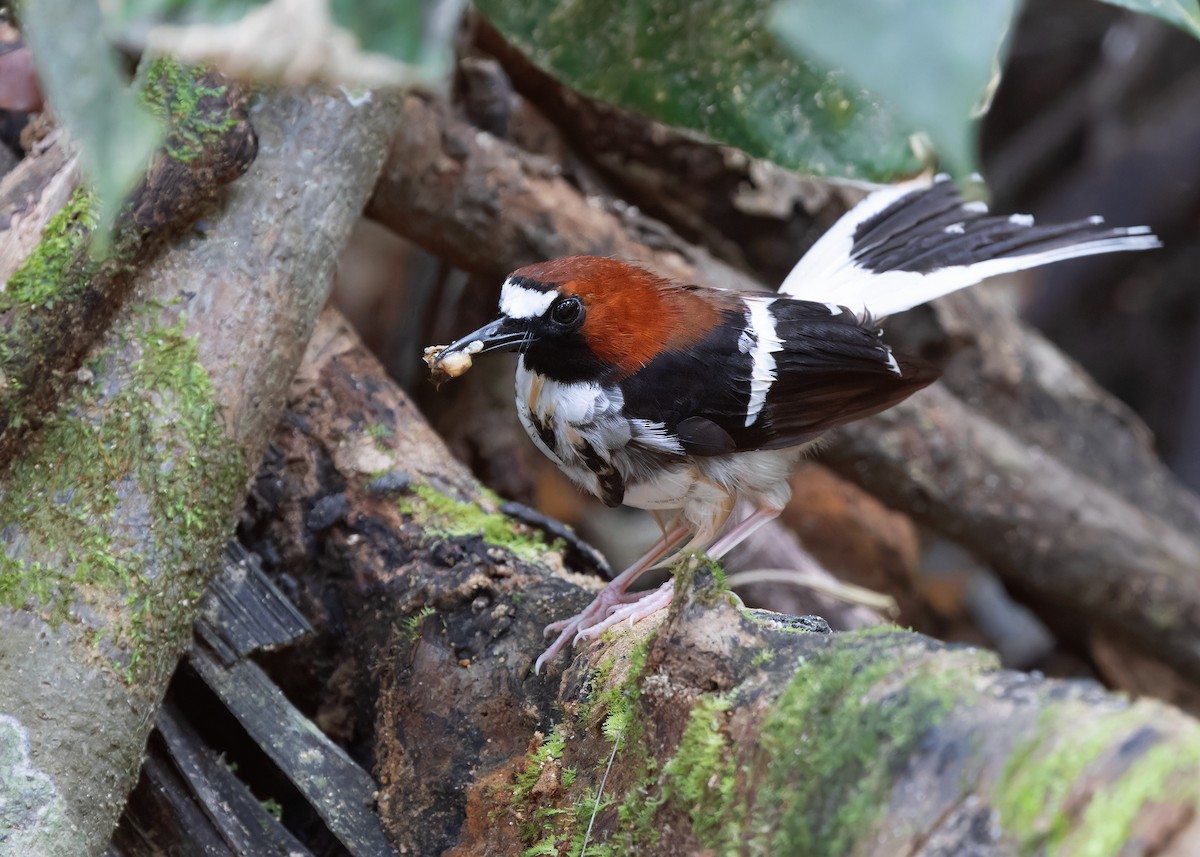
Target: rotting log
x=486 y=206
x=114 y=515
x=727 y=732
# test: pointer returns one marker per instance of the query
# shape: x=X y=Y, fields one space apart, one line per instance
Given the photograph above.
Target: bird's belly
x=668 y=488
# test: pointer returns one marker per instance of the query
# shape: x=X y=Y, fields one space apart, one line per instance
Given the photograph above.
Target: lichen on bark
x=127 y=488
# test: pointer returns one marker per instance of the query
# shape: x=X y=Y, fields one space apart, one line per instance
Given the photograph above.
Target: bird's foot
x=598 y=616
x=608 y=597
x=647 y=604
x=603 y=604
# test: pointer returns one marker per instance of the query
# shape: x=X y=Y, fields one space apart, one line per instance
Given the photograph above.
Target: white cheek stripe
x=762 y=354
x=520 y=302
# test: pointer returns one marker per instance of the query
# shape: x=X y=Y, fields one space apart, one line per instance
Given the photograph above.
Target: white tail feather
x=828 y=272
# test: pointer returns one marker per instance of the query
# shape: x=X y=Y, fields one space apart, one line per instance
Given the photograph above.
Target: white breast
x=579 y=425
x=570 y=422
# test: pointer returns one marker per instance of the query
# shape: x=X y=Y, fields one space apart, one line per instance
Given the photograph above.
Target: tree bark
x=113 y=516
x=707 y=729
x=63 y=284
x=1044 y=526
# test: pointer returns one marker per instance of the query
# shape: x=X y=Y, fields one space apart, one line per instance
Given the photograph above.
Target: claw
x=610 y=600
x=647 y=605
x=614 y=608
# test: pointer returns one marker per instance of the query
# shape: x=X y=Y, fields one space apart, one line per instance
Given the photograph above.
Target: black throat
x=566 y=359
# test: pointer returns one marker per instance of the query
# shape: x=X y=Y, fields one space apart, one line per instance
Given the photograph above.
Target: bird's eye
x=567 y=311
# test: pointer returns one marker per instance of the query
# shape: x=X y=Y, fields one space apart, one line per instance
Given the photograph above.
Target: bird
x=692 y=402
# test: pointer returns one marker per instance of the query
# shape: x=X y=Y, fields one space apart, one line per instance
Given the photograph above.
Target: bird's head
x=590 y=318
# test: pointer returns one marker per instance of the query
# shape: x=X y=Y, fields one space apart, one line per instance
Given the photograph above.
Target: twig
x=848 y=592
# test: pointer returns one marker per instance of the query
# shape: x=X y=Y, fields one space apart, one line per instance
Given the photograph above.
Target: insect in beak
x=503 y=333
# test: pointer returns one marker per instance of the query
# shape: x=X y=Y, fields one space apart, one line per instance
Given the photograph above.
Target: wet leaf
x=713 y=66
x=934 y=62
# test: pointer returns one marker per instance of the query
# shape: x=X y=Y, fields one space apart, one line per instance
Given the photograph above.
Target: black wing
x=830 y=367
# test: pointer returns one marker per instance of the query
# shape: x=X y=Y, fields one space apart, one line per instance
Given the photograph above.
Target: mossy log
x=114 y=514
x=709 y=729
x=60 y=289
x=489 y=207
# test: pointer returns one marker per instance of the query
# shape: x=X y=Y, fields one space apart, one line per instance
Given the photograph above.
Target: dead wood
x=484 y=205
x=232 y=758
x=472 y=199
x=727 y=731
x=114 y=514
x=1044 y=526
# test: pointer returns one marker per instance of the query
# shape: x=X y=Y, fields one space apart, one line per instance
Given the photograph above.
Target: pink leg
x=634 y=611
x=742 y=531
x=643 y=604
x=610 y=596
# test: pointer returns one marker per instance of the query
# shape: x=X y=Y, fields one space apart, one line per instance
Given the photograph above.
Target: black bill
x=503 y=333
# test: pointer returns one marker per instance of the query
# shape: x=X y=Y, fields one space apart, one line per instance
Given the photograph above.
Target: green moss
x=611 y=705
x=549 y=752
x=58 y=270
x=542 y=826
x=762 y=657
x=831 y=745
x=195 y=113
x=1167 y=771
x=1039 y=774
x=49 y=273
x=702 y=777
x=412 y=625
x=705 y=576
x=449 y=518
x=273 y=808
x=380 y=434
x=1035 y=796
x=113 y=515
x=618 y=700
x=828 y=754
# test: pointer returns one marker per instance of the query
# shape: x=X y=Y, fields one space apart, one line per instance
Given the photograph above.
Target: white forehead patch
x=517 y=301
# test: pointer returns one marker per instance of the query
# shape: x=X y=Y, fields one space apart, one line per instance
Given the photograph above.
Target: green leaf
x=715 y=67
x=79 y=74
x=934 y=61
x=1184 y=14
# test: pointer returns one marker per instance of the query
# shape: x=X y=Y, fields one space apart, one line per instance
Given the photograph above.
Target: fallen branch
x=1043 y=525
x=60 y=290
x=485 y=207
